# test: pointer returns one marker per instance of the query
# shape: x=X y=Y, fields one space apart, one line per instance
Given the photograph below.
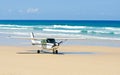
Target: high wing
x=28 y=38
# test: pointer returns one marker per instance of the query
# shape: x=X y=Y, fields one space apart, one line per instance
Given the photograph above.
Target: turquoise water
x=109 y=30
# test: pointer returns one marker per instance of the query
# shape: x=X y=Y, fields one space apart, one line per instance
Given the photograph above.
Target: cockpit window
x=50 y=40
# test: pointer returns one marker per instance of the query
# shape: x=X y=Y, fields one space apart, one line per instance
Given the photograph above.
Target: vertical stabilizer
x=32 y=38
x=32 y=35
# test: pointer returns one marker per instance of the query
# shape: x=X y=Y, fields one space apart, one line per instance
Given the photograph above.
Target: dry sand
x=103 y=61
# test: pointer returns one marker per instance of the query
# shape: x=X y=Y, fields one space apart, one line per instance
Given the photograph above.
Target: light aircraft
x=46 y=43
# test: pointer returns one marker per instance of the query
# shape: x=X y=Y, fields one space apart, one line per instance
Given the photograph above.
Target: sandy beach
x=86 y=32
x=75 y=60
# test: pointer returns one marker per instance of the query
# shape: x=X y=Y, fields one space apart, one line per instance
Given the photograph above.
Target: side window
x=43 y=42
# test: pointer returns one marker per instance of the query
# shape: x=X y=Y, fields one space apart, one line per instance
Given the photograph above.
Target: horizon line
x=59 y=20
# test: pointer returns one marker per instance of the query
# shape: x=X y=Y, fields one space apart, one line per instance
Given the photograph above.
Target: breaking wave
x=65 y=30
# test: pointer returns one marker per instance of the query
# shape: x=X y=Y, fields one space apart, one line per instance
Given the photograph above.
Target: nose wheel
x=55 y=51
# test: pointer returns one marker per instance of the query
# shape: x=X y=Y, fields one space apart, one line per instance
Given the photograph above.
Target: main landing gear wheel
x=38 y=51
x=55 y=51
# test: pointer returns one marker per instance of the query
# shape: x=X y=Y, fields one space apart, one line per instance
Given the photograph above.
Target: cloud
x=32 y=10
x=29 y=10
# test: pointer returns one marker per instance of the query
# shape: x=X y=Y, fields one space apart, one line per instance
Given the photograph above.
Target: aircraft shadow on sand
x=59 y=53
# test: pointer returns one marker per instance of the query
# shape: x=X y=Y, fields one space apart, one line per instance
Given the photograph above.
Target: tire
x=56 y=52
x=38 y=51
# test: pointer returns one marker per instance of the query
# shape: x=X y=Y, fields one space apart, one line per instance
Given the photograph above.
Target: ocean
x=89 y=29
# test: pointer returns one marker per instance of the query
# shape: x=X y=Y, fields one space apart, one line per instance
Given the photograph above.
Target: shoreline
x=21 y=42
x=5 y=40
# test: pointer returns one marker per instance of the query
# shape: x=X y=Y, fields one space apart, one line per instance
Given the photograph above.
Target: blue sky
x=60 y=9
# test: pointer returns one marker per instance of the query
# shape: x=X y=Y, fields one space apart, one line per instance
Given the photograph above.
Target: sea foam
x=89 y=32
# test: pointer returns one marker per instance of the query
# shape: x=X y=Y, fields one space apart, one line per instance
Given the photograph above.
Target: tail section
x=32 y=38
x=32 y=35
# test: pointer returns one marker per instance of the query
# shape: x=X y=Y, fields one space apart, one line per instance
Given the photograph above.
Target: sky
x=60 y=9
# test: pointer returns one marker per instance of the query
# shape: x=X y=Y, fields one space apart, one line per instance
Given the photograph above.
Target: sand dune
x=75 y=60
